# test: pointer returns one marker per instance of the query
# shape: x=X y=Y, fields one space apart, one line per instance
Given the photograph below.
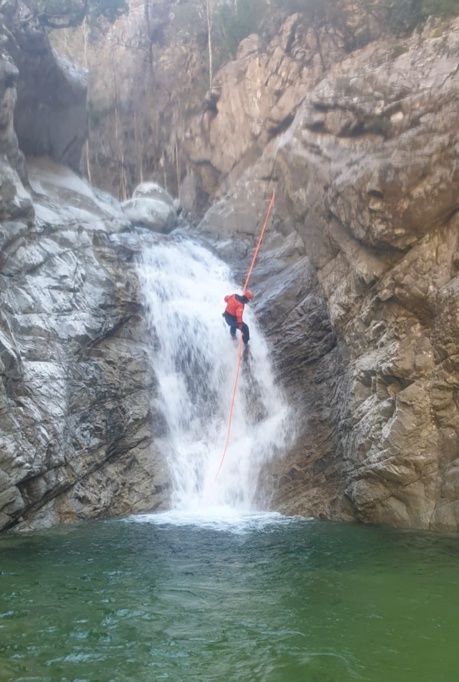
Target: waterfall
x=195 y=363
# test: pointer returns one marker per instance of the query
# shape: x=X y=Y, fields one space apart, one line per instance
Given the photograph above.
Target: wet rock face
x=288 y=303
x=76 y=423
x=364 y=319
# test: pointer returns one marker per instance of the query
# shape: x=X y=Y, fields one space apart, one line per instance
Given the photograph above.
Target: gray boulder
x=153 y=214
x=151 y=190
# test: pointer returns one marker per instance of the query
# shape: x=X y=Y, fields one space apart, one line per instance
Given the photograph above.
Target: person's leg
x=245 y=333
x=232 y=321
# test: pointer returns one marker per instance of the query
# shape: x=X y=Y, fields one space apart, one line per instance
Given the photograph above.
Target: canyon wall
x=76 y=416
x=363 y=319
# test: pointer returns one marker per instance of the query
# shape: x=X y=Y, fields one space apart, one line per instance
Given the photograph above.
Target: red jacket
x=234 y=307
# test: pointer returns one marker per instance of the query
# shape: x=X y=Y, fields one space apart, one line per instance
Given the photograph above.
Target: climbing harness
x=239 y=356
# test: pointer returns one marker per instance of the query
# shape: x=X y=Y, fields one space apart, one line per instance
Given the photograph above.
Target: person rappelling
x=233 y=317
x=233 y=314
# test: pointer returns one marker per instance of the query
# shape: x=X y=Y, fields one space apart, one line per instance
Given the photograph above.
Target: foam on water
x=195 y=363
x=219 y=518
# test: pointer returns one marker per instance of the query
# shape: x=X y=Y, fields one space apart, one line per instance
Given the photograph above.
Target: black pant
x=232 y=321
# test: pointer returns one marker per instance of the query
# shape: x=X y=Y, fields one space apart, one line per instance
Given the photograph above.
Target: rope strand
x=230 y=419
x=268 y=213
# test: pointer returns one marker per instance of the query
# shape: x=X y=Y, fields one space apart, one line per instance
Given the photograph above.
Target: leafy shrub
x=440 y=8
x=66 y=13
x=406 y=15
x=233 y=23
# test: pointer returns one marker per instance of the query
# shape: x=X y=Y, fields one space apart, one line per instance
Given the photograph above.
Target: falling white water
x=195 y=362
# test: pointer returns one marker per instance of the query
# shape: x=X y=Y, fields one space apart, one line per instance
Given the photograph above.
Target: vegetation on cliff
x=71 y=13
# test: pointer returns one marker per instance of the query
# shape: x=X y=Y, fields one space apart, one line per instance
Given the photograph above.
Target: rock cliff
x=76 y=421
x=75 y=402
x=363 y=317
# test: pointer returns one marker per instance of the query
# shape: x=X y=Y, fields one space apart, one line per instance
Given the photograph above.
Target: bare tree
x=123 y=183
x=86 y=66
x=209 y=41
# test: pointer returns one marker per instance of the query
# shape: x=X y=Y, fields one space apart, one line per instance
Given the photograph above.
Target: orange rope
x=239 y=356
x=230 y=420
x=268 y=213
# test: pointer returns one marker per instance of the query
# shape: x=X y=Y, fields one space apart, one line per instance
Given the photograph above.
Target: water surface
x=263 y=599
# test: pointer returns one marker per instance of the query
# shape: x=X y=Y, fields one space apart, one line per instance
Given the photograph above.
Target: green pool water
x=272 y=600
